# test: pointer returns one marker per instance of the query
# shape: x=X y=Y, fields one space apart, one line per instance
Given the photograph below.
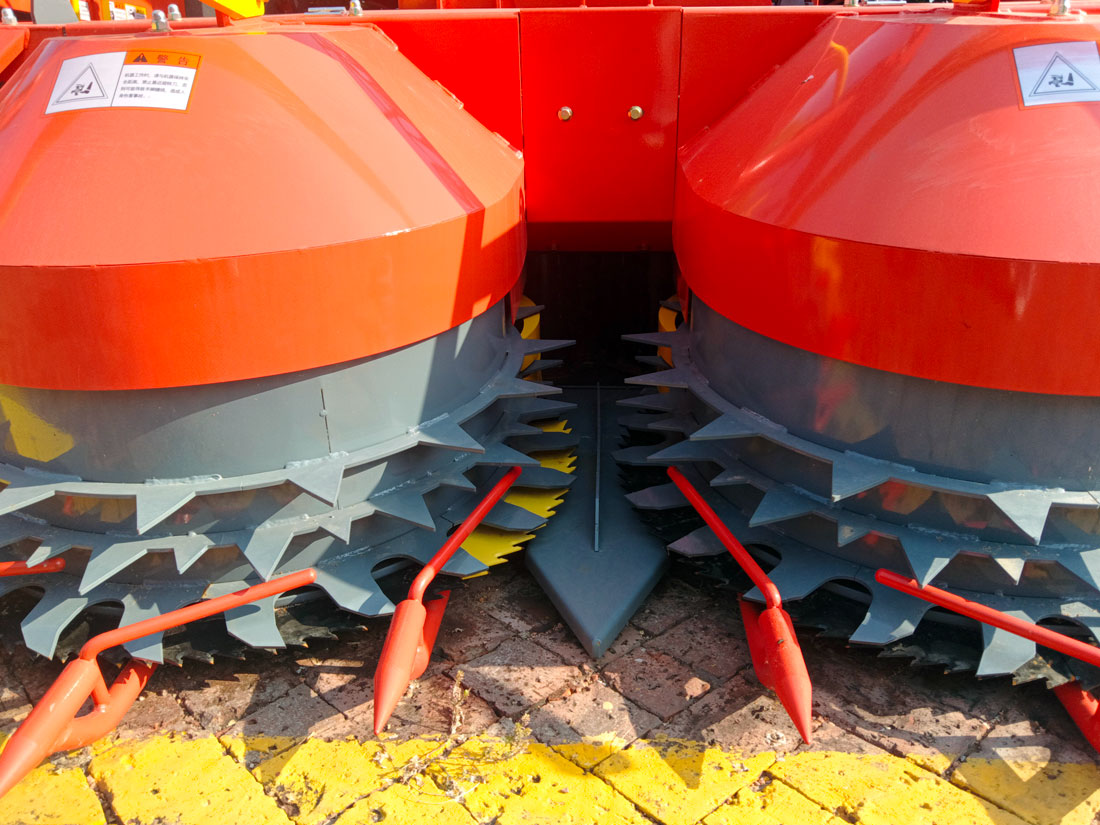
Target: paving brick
x=655 y=681
x=158 y=712
x=908 y=711
x=1038 y=775
x=431 y=704
x=560 y=640
x=217 y=703
x=591 y=711
x=468 y=631
x=711 y=640
x=521 y=605
x=671 y=602
x=346 y=684
x=517 y=675
x=296 y=714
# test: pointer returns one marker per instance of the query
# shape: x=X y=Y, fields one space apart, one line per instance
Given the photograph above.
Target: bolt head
x=565 y=113
x=635 y=112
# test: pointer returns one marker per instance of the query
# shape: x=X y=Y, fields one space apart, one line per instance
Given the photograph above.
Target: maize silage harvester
x=263 y=313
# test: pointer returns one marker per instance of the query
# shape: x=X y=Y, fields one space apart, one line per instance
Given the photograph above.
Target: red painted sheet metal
x=13 y=41
x=898 y=208
x=474 y=55
x=728 y=51
x=600 y=167
x=283 y=222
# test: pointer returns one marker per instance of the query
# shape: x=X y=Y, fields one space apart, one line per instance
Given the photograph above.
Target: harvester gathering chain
x=53 y=724
x=804 y=569
x=345 y=577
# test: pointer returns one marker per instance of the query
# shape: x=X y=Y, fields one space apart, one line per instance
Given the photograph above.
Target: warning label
x=1058 y=73
x=135 y=79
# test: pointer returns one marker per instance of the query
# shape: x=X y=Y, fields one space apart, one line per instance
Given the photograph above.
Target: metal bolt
x=1059 y=8
x=564 y=113
x=160 y=22
x=174 y=12
x=355 y=8
x=635 y=112
x=7 y=17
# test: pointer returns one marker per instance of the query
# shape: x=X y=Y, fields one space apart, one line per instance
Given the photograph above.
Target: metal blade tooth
x=108 y=558
x=699 y=542
x=684 y=451
x=796 y=581
x=540 y=365
x=927 y=553
x=660 y=497
x=321 y=479
x=1013 y=566
x=657 y=339
x=781 y=504
x=730 y=478
x=848 y=533
x=891 y=616
x=677 y=377
x=337 y=525
x=528 y=311
x=1026 y=509
x=450 y=436
x=639 y=421
x=501 y=455
x=519 y=428
x=189 y=549
x=55 y=611
x=158 y=502
x=53 y=543
x=457 y=480
x=1004 y=652
x=730 y=425
x=352 y=586
x=854 y=474
x=672 y=303
x=532 y=346
x=150 y=605
x=15 y=497
x=407 y=506
x=254 y=624
x=505 y=516
x=1084 y=564
x=263 y=547
x=532 y=409
x=511 y=387
x=545 y=478
x=659 y=401
x=652 y=361
x=544 y=442
x=636 y=456
x=462 y=564
x=679 y=422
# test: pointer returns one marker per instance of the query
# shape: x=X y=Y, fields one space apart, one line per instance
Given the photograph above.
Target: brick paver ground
x=680 y=670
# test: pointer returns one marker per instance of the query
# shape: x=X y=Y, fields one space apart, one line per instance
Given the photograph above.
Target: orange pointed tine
x=787 y=668
x=771 y=635
x=408 y=631
x=53 y=724
x=750 y=615
x=1083 y=708
x=48 y=722
x=435 y=609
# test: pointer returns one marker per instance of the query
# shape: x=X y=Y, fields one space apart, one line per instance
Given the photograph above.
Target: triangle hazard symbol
x=85 y=87
x=1061 y=76
x=141 y=59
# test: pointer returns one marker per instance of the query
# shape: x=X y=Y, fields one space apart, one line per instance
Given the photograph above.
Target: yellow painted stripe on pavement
x=263 y=781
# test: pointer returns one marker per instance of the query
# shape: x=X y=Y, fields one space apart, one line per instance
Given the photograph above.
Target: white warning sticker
x=1058 y=73
x=135 y=80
